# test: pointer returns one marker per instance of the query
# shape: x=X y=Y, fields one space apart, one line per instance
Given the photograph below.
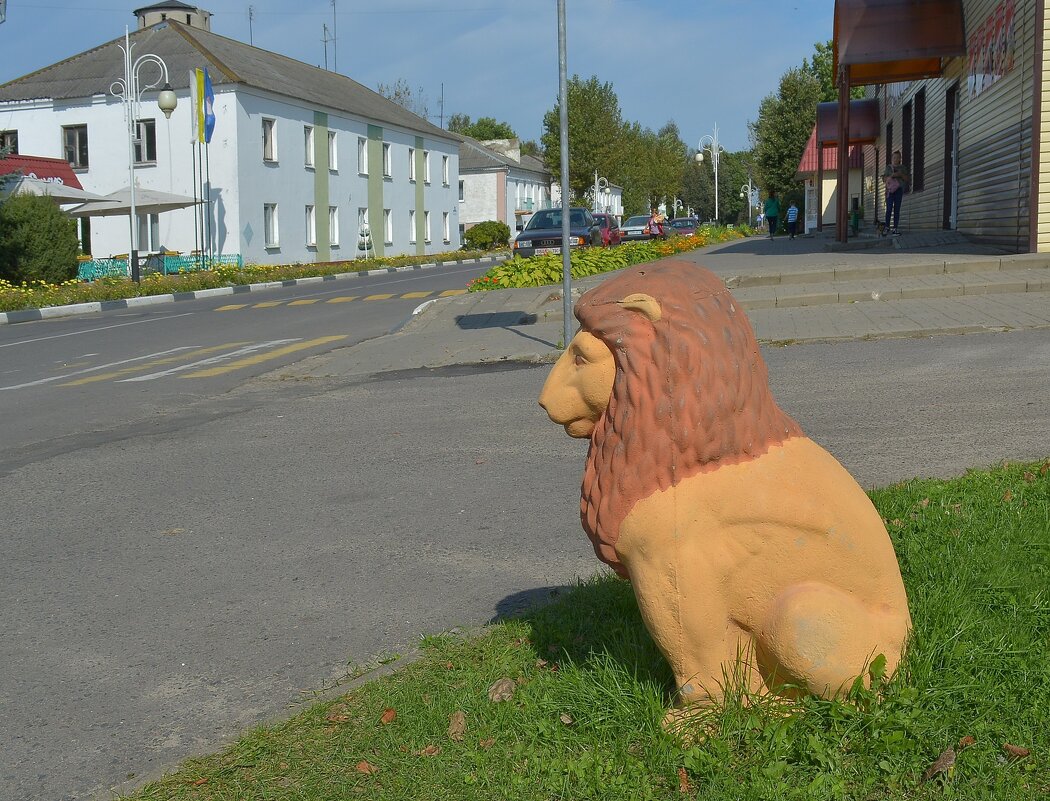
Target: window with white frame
x=145 y=141
x=411 y=226
x=461 y=190
x=311 y=226
x=388 y=227
x=411 y=164
x=149 y=232
x=388 y=167
x=75 y=145
x=9 y=141
x=362 y=155
x=426 y=227
x=270 y=231
x=444 y=170
x=269 y=139
x=308 y=145
x=446 y=229
x=333 y=225
x=426 y=166
x=333 y=160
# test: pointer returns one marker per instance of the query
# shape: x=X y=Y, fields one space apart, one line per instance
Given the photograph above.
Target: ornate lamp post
x=128 y=90
x=749 y=189
x=709 y=143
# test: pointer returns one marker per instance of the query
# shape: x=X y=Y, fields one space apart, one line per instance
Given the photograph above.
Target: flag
x=197 y=105
x=209 y=107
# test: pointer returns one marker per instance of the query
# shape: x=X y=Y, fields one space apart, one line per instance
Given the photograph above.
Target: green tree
x=484 y=128
x=37 y=240
x=822 y=67
x=785 y=121
x=531 y=147
x=402 y=94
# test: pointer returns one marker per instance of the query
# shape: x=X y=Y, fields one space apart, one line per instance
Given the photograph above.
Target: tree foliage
x=822 y=67
x=37 y=240
x=486 y=235
x=785 y=121
x=484 y=128
x=403 y=94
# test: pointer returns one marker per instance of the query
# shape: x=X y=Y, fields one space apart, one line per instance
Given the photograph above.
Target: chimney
x=511 y=148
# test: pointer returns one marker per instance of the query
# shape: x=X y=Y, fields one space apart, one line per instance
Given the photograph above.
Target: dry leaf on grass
x=683 y=782
x=487 y=743
x=335 y=717
x=457 y=725
x=199 y=782
x=943 y=764
x=1016 y=751
x=1008 y=496
x=366 y=767
x=566 y=718
x=430 y=750
x=388 y=716
x=502 y=690
x=924 y=502
x=1029 y=476
x=1044 y=469
x=449 y=666
x=541 y=663
x=966 y=742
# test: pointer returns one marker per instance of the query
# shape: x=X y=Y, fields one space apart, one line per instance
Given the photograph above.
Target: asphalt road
x=163 y=589
x=69 y=382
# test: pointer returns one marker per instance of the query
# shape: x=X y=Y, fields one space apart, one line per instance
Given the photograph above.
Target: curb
x=54 y=312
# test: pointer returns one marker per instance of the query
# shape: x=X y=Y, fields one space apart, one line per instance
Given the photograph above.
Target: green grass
x=585 y=719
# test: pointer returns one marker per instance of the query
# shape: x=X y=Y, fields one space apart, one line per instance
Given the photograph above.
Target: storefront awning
x=886 y=41
x=43 y=169
x=863 y=122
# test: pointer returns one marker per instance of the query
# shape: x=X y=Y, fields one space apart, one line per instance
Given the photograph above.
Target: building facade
x=498 y=182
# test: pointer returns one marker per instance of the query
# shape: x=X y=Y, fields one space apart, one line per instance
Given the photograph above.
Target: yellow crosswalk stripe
x=232 y=307
x=417 y=294
x=268 y=304
x=262 y=357
x=149 y=365
x=346 y=299
x=380 y=297
x=304 y=302
x=450 y=292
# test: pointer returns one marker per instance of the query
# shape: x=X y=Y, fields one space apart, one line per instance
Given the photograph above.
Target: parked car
x=543 y=233
x=610 y=228
x=684 y=226
x=635 y=228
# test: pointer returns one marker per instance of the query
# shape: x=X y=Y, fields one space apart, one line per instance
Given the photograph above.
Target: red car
x=610 y=228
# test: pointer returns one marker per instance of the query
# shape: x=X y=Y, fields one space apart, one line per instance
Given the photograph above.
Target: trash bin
x=854 y=220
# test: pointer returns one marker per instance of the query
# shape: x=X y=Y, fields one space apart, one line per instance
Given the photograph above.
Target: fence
x=156 y=263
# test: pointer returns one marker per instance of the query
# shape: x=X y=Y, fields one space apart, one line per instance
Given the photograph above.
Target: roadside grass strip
x=585 y=691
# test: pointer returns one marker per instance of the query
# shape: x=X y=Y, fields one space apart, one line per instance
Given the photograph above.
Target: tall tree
x=785 y=121
x=484 y=128
x=822 y=67
x=402 y=94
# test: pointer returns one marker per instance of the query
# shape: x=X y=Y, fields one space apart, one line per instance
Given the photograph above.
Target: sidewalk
x=795 y=291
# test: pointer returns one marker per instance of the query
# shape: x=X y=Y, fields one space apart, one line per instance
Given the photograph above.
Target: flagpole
x=211 y=238
x=196 y=213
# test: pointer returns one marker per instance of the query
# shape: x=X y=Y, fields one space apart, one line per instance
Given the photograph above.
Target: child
x=792 y=218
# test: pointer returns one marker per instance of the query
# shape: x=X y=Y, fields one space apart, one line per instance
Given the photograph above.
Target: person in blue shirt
x=792 y=218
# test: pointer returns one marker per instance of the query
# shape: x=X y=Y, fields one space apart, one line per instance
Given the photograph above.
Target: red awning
x=808 y=164
x=43 y=169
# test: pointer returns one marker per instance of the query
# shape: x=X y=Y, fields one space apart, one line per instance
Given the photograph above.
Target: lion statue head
x=666 y=378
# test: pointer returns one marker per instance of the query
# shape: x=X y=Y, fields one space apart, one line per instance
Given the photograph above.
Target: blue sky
x=697 y=62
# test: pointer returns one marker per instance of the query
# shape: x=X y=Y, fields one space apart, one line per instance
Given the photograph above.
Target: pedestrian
x=897 y=181
x=792 y=218
x=656 y=223
x=771 y=209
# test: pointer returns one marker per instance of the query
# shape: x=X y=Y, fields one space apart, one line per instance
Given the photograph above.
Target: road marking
x=232 y=307
x=99 y=367
x=125 y=371
x=448 y=293
x=213 y=360
x=345 y=299
x=262 y=357
x=93 y=330
x=385 y=296
x=417 y=295
x=269 y=304
x=306 y=302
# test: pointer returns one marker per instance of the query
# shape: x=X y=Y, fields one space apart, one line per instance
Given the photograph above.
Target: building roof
x=42 y=168
x=177 y=4
x=229 y=63
x=808 y=165
x=475 y=157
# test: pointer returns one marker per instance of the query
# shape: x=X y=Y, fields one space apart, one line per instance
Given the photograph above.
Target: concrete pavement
x=794 y=291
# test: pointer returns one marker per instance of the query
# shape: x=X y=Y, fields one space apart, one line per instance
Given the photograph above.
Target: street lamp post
x=601 y=186
x=709 y=143
x=750 y=197
x=130 y=92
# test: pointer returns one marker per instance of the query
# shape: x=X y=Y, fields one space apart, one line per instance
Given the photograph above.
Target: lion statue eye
x=579 y=359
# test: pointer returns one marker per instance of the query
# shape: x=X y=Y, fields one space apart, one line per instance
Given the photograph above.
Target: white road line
x=93 y=330
x=211 y=360
x=64 y=376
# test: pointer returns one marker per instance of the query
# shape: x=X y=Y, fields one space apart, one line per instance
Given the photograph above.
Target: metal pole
x=563 y=95
x=595 y=191
x=714 y=158
x=131 y=95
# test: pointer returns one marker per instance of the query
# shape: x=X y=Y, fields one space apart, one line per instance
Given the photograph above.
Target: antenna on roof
x=326 y=39
x=251 y=16
x=335 y=46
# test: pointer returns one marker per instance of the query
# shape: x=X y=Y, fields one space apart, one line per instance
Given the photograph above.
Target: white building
x=498 y=182
x=299 y=159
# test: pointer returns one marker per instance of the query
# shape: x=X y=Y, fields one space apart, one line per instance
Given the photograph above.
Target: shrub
x=489 y=234
x=38 y=242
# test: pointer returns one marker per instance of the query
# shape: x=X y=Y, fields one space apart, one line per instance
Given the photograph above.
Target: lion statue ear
x=646 y=304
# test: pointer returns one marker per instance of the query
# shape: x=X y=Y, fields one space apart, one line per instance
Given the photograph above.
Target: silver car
x=634 y=228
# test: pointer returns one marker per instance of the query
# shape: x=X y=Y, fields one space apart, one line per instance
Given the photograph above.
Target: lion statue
x=747 y=544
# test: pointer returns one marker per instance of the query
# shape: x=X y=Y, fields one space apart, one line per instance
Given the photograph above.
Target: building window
x=149 y=232
x=311 y=226
x=388 y=227
x=84 y=229
x=362 y=155
x=411 y=164
x=362 y=219
x=333 y=161
x=446 y=231
x=426 y=227
x=461 y=190
x=906 y=131
x=444 y=170
x=75 y=143
x=146 y=142
x=308 y=145
x=918 y=169
x=269 y=137
x=426 y=166
x=333 y=225
x=9 y=142
x=388 y=168
x=270 y=225
x=411 y=226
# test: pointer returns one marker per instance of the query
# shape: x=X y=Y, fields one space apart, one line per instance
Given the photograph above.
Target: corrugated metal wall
x=1043 y=230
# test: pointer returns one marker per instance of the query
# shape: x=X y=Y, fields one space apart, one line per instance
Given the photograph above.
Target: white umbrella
x=147 y=201
x=58 y=192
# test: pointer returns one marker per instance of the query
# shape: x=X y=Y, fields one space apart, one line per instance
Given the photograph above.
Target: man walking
x=792 y=218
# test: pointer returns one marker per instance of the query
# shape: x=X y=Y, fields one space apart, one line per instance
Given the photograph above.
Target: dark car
x=543 y=233
x=610 y=228
x=636 y=228
x=684 y=226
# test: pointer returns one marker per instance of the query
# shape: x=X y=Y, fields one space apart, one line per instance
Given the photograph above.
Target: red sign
x=55 y=171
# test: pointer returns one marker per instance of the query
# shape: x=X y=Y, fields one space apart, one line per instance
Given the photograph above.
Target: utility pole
x=335 y=45
x=251 y=16
x=325 y=38
x=441 y=105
